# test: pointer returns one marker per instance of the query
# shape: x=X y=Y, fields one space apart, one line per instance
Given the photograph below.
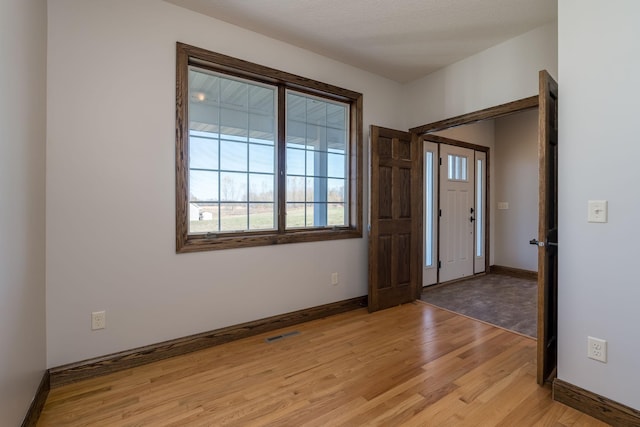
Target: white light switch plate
x=503 y=205
x=597 y=211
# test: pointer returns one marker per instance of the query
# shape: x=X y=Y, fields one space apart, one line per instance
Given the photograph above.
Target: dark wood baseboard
x=35 y=409
x=115 y=362
x=597 y=406
x=515 y=272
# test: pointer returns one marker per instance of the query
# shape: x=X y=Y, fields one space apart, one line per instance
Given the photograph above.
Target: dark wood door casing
x=546 y=102
x=547 y=229
x=395 y=236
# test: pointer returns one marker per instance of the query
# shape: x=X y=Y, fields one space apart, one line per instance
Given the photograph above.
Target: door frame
x=521 y=105
x=487 y=227
x=548 y=229
x=423 y=132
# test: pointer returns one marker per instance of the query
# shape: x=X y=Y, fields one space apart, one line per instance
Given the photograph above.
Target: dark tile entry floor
x=506 y=301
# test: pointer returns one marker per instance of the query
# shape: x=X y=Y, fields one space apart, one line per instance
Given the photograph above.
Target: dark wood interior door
x=548 y=229
x=395 y=229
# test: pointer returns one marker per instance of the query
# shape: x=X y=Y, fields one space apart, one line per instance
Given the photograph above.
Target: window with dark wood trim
x=263 y=156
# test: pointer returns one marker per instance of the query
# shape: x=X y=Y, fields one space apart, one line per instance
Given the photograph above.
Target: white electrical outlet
x=98 y=320
x=334 y=279
x=597 y=349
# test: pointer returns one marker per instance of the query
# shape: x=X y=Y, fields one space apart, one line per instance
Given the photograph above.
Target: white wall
x=500 y=74
x=23 y=28
x=480 y=133
x=111 y=109
x=599 y=290
x=516 y=182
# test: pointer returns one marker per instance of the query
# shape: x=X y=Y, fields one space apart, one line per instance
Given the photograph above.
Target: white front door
x=457 y=212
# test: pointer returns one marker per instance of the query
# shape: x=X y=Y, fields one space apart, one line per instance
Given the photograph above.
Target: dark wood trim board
x=35 y=409
x=456 y=143
x=595 y=405
x=488 y=113
x=115 y=362
x=516 y=272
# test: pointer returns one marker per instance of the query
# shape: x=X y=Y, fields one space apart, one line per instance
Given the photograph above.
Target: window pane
x=234 y=125
x=296 y=108
x=203 y=186
x=318 y=130
x=429 y=217
x=336 y=165
x=261 y=113
x=317 y=163
x=336 y=116
x=316 y=112
x=337 y=214
x=262 y=137
x=261 y=188
x=261 y=158
x=479 y=212
x=233 y=217
x=232 y=128
x=457 y=168
x=295 y=215
x=295 y=189
x=203 y=153
x=316 y=190
x=337 y=140
x=261 y=216
x=311 y=212
x=233 y=156
x=261 y=101
x=335 y=190
x=315 y=138
x=296 y=120
x=204 y=107
x=234 y=107
x=203 y=218
x=295 y=161
x=463 y=168
x=233 y=187
x=311 y=162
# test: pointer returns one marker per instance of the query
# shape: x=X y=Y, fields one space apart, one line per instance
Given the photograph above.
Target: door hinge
x=439 y=212
x=439 y=264
x=440 y=161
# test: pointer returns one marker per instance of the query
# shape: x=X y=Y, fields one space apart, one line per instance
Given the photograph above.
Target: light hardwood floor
x=412 y=365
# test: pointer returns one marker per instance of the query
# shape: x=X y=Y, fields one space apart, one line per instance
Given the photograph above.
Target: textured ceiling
x=399 y=39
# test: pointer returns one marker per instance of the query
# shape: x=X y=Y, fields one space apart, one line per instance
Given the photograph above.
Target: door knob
x=536 y=242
